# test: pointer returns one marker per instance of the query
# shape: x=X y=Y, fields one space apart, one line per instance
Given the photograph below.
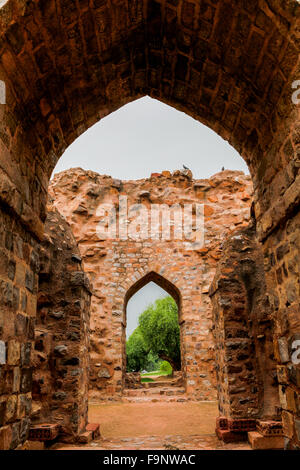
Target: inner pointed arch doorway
x=170 y=293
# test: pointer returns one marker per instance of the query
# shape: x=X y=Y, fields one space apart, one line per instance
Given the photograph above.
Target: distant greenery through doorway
x=154 y=346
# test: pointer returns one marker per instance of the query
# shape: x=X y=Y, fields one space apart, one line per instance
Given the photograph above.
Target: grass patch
x=155 y=372
x=146 y=379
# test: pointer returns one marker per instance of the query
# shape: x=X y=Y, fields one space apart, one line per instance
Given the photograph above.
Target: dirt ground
x=154 y=419
x=159 y=426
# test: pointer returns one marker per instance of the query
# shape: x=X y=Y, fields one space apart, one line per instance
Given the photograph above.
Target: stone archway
x=229 y=64
x=174 y=292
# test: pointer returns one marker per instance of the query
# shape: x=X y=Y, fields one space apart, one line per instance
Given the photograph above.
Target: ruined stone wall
x=60 y=359
x=282 y=266
x=243 y=331
x=116 y=267
x=19 y=268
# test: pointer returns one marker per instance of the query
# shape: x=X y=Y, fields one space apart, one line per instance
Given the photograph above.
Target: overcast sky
x=143 y=137
x=148 y=136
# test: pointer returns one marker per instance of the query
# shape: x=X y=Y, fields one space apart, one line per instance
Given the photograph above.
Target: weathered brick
x=240 y=88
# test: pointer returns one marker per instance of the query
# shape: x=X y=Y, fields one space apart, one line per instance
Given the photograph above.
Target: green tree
x=136 y=351
x=159 y=327
x=166 y=367
x=153 y=362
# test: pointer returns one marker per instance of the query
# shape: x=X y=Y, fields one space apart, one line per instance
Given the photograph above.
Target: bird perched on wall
x=185 y=167
x=223 y=168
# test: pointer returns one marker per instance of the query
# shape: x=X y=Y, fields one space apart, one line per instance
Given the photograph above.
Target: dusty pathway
x=154 y=419
x=156 y=426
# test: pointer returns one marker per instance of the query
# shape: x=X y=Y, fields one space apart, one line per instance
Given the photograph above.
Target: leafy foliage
x=160 y=329
x=166 y=367
x=157 y=337
x=136 y=351
x=152 y=362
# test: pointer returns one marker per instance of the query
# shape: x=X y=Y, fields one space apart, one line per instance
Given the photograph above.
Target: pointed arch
x=173 y=291
x=161 y=281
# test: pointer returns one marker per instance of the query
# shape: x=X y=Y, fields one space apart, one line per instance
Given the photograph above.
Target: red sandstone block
x=33 y=445
x=86 y=437
x=222 y=423
x=241 y=425
x=94 y=428
x=5 y=437
x=229 y=436
x=43 y=432
x=270 y=428
x=259 y=442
